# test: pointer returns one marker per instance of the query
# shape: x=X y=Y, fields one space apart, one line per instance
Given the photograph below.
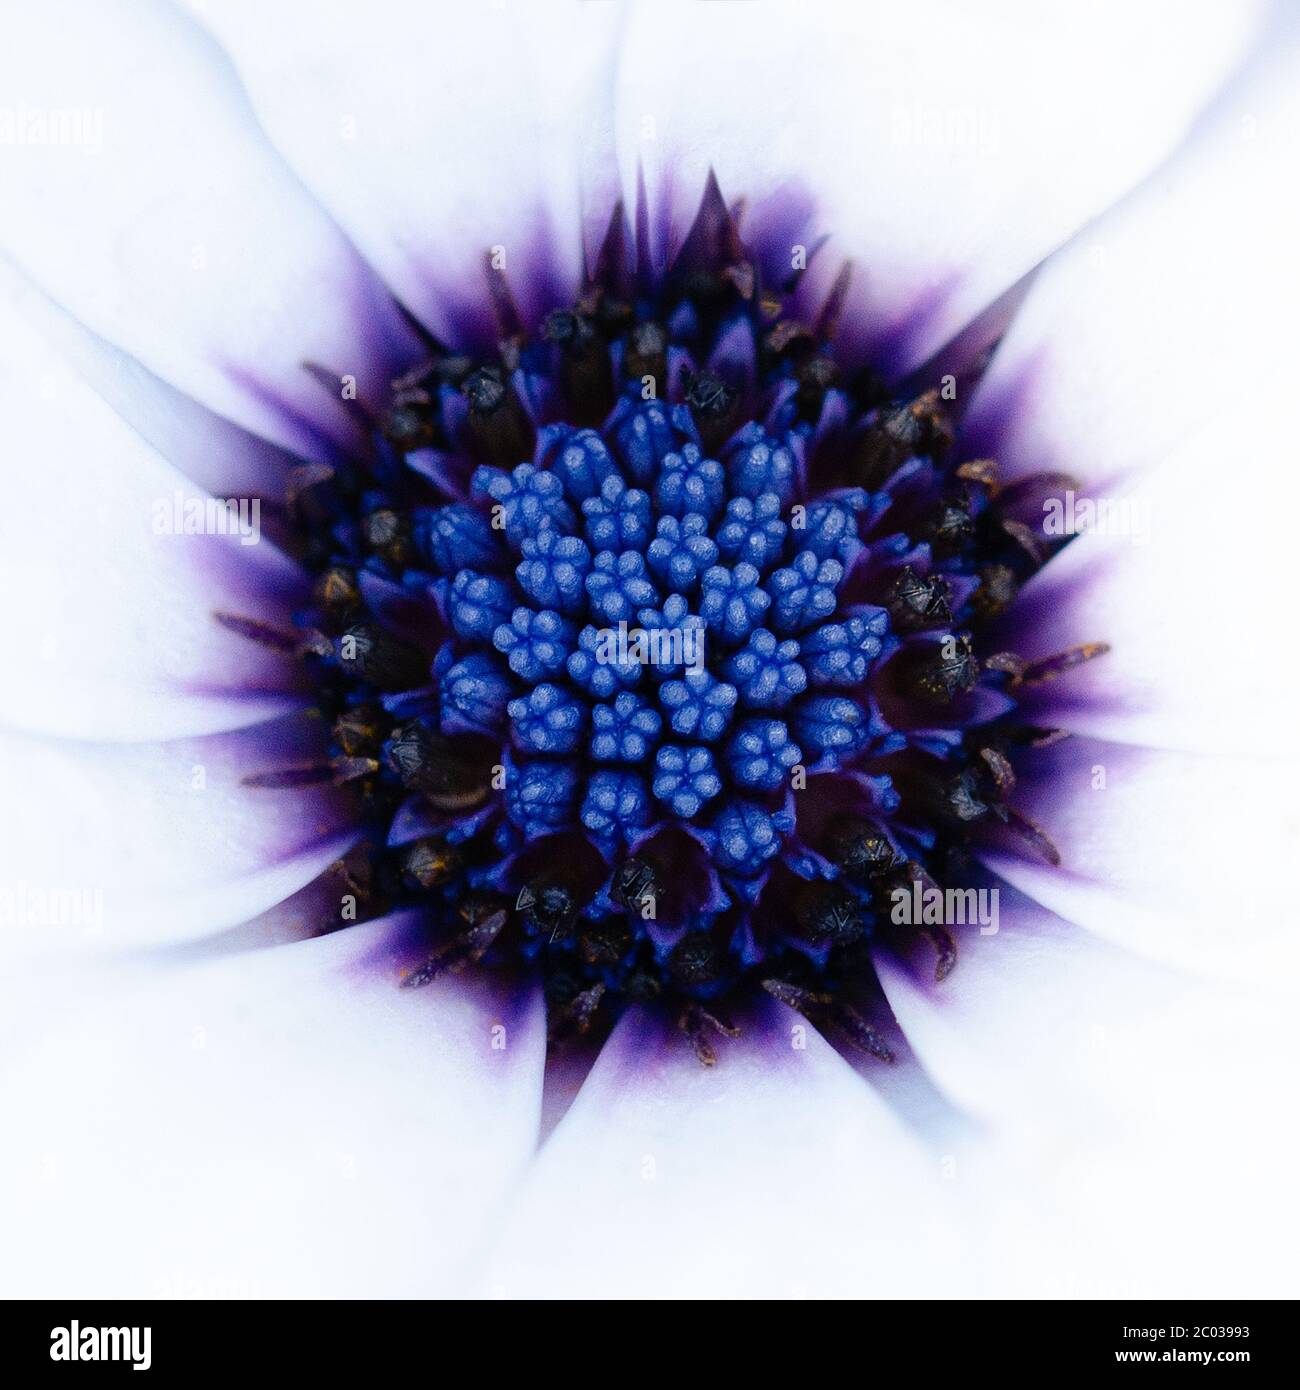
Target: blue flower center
x=657 y=632
x=654 y=648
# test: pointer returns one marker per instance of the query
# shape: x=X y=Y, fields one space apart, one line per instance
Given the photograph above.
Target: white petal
x=283 y=1123
x=1188 y=578
x=946 y=149
x=210 y=450
x=777 y=1173
x=769 y=1180
x=158 y=842
x=1177 y=856
x=110 y=622
x=434 y=134
x=1204 y=1077
x=1012 y=1033
x=1177 y=305
x=1124 y=1106
x=160 y=217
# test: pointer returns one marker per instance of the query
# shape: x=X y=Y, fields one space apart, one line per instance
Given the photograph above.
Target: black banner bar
x=86 y=1338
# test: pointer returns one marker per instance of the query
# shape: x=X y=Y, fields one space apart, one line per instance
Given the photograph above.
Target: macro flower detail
x=738 y=609
x=628 y=667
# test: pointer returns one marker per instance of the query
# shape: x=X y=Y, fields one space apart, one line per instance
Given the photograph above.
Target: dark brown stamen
x=548 y=907
x=997 y=591
x=950 y=527
x=948 y=669
x=428 y=862
x=826 y=913
x=859 y=1033
x=499 y=423
x=1052 y=666
x=696 y=960
x=256 y=631
x=860 y=848
x=360 y=730
x=335 y=591
x=467 y=949
x=303 y=775
x=576 y=1017
x=917 y=602
x=388 y=534
x=713 y=405
x=696 y=1022
x=945 y=948
x=1027 y=541
x=634 y=882
x=584 y=365
x=381 y=658
x=449 y=772
x=983 y=472
x=647 y=353
x=920 y=427
x=1033 y=836
x=1004 y=776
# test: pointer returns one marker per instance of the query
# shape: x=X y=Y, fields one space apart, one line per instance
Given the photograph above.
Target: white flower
x=203 y=1098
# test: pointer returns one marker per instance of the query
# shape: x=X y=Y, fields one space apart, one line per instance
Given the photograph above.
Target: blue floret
x=685 y=778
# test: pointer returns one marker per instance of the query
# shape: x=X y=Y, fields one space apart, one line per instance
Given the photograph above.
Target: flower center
x=655 y=650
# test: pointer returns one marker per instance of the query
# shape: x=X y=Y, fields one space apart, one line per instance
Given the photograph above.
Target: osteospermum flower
x=714 y=490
